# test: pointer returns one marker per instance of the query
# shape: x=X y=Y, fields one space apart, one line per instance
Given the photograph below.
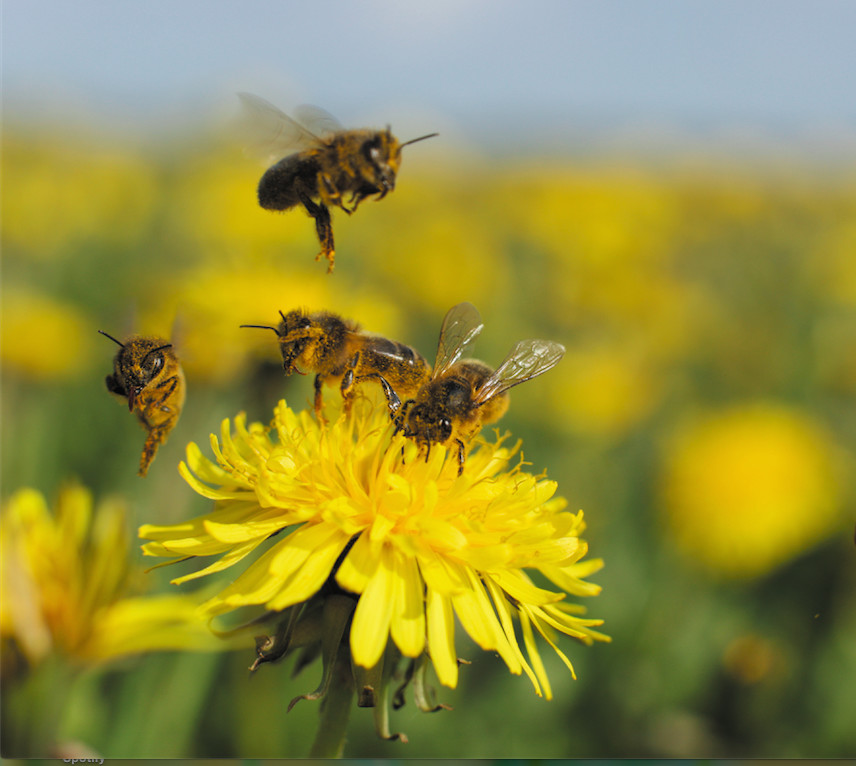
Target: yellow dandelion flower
x=65 y=579
x=215 y=205
x=432 y=221
x=750 y=488
x=591 y=221
x=409 y=542
x=612 y=389
x=834 y=261
x=69 y=191
x=31 y=323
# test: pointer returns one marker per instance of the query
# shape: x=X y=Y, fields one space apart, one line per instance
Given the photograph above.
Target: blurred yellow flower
x=750 y=488
x=590 y=220
x=433 y=244
x=68 y=191
x=214 y=203
x=605 y=391
x=409 y=540
x=64 y=582
x=31 y=328
x=835 y=259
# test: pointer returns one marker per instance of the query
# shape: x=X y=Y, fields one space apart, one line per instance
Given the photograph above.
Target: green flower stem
x=34 y=709
x=335 y=709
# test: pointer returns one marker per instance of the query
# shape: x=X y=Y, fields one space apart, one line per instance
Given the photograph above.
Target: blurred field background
x=703 y=417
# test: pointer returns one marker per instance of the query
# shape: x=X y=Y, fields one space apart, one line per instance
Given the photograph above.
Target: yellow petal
x=311 y=574
x=358 y=567
x=504 y=611
x=228 y=559
x=441 y=638
x=408 y=617
x=370 y=626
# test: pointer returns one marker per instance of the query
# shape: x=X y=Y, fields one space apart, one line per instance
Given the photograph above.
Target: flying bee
x=147 y=373
x=462 y=395
x=325 y=163
x=340 y=353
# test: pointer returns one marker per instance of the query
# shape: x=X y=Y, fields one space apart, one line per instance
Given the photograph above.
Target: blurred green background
x=703 y=418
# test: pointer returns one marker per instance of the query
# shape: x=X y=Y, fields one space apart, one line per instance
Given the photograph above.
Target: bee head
x=428 y=425
x=295 y=338
x=291 y=347
x=383 y=154
x=138 y=363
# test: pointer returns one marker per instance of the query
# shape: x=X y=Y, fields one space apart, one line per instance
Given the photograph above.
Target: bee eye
x=157 y=363
x=375 y=154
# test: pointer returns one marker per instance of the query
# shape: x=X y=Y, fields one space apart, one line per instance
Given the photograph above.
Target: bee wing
x=271 y=133
x=461 y=327
x=528 y=359
x=317 y=120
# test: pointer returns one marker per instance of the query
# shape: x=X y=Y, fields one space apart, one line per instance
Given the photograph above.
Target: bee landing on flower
x=381 y=550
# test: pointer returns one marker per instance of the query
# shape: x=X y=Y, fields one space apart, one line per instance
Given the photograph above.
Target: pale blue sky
x=478 y=63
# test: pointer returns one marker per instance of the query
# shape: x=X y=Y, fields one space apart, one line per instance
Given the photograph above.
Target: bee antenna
x=282 y=315
x=106 y=335
x=262 y=327
x=414 y=140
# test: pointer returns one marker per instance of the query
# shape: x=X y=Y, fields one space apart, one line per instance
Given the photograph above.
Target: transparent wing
x=528 y=359
x=461 y=327
x=317 y=120
x=270 y=133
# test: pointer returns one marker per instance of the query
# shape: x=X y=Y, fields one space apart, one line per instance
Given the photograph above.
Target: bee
x=147 y=373
x=462 y=395
x=327 y=163
x=339 y=352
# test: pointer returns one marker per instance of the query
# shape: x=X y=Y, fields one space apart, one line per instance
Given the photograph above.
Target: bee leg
x=348 y=380
x=158 y=418
x=168 y=387
x=393 y=401
x=156 y=437
x=318 y=398
x=347 y=392
x=331 y=195
x=460 y=456
x=400 y=419
x=152 y=414
x=355 y=200
x=323 y=227
x=114 y=386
